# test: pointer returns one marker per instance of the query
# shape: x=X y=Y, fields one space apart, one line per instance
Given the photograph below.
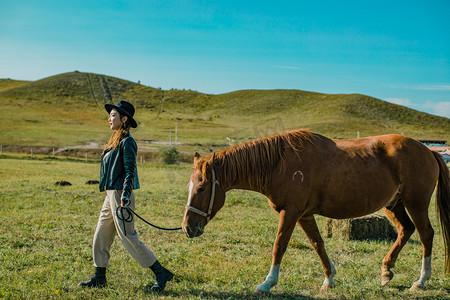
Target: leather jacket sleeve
x=129 y=163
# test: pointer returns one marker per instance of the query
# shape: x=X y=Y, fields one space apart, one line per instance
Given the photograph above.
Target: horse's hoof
x=265 y=287
x=325 y=288
x=386 y=278
x=417 y=287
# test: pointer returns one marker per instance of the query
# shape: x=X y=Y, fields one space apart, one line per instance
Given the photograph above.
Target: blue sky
x=398 y=51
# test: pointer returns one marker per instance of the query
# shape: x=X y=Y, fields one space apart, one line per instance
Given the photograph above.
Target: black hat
x=125 y=108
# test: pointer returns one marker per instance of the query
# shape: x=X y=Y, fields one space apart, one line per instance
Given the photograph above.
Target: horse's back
x=389 y=144
x=395 y=148
x=367 y=173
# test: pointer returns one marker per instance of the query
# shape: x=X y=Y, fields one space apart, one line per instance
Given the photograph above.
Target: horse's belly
x=357 y=199
x=346 y=210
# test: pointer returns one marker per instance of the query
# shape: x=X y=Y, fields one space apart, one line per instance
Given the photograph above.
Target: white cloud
x=422 y=87
x=440 y=108
x=400 y=101
x=433 y=87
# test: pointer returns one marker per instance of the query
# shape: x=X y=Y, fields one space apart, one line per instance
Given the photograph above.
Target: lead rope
x=129 y=218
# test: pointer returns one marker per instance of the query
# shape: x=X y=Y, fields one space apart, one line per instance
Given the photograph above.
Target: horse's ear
x=196 y=157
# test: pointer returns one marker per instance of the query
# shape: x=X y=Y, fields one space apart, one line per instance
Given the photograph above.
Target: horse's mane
x=254 y=161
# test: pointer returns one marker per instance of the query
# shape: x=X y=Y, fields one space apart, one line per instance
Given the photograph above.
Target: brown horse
x=304 y=174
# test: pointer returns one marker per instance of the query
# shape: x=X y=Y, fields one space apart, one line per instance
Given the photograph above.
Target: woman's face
x=114 y=120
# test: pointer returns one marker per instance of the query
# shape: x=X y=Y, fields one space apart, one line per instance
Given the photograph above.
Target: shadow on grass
x=404 y=291
x=234 y=295
x=397 y=287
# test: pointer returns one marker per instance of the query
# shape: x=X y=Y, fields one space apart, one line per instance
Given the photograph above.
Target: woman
x=118 y=177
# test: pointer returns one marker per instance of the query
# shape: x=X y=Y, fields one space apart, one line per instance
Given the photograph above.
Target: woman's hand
x=124 y=202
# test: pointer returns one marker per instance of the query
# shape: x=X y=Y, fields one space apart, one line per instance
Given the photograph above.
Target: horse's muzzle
x=192 y=232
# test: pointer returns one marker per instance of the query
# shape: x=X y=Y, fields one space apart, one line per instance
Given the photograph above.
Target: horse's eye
x=202 y=189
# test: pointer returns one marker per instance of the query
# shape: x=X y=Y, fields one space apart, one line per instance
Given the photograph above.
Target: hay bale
x=372 y=227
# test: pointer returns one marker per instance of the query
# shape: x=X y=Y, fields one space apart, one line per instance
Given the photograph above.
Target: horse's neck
x=238 y=184
x=235 y=181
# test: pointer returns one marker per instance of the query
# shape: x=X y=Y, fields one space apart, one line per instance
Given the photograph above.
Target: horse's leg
x=405 y=228
x=419 y=215
x=285 y=227
x=309 y=225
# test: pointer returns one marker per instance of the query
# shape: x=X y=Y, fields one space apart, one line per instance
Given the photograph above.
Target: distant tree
x=170 y=156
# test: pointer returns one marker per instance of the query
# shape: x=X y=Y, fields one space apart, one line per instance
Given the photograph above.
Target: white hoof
x=260 y=291
x=264 y=288
x=327 y=285
x=425 y=274
x=325 y=288
x=328 y=282
x=270 y=280
x=417 y=286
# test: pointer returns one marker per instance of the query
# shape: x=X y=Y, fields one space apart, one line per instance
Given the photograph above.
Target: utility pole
x=161 y=104
x=176 y=133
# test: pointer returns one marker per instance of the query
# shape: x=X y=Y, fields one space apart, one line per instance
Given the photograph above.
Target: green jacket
x=118 y=170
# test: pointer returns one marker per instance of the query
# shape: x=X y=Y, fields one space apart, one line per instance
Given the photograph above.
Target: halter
x=211 y=200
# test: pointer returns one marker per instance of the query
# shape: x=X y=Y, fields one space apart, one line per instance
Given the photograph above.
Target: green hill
x=67 y=109
x=8 y=83
x=68 y=87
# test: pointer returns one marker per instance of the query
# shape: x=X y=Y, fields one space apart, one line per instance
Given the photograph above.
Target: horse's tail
x=443 y=206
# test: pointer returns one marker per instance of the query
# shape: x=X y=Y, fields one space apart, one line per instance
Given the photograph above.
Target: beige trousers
x=107 y=227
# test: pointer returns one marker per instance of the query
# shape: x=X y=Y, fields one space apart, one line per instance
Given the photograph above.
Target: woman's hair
x=117 y=135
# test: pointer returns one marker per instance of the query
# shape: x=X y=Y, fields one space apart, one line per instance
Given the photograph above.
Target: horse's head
x=206 y=197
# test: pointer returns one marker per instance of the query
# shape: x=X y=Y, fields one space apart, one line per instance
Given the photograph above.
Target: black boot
x=162 y=276
x=97 y=281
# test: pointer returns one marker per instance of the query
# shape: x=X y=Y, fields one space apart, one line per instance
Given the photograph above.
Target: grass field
x=46 y=233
